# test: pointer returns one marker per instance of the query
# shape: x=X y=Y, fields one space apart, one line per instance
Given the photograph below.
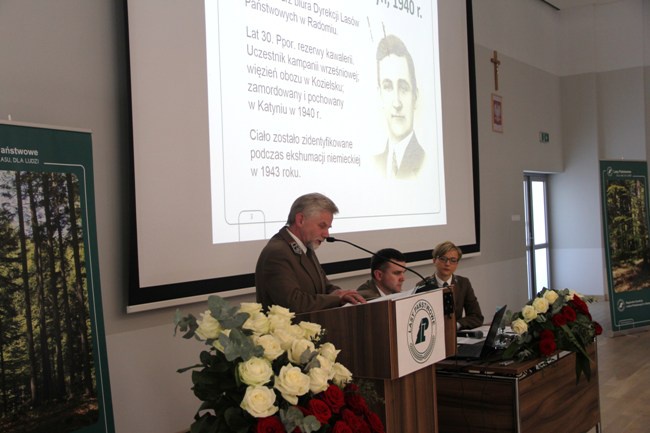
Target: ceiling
x=565 y=4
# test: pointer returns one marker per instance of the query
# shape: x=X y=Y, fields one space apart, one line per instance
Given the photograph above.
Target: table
x=537 y=396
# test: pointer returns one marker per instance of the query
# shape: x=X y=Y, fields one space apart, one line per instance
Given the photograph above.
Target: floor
x=624 y=376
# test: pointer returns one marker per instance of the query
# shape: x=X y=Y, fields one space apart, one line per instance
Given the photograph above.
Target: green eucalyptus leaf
x=239 y=345
x=234 y=320
x=291 y=418
x=307 y=356
x=313 y=363
x=310 y=424
x=217 y=305
x=228 y=316
x=186 y=324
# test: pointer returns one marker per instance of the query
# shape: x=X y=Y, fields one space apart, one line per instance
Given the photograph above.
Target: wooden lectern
x=394 y=344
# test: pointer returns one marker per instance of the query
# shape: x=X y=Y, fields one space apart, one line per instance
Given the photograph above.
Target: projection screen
x=239 y=107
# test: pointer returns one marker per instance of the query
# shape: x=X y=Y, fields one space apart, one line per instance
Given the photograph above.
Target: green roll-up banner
x=53 y=370
x=624 y=186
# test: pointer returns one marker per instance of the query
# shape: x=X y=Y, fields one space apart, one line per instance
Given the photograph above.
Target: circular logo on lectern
x=421 y=331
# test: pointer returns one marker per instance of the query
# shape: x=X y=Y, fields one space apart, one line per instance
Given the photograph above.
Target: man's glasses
x=452 y=260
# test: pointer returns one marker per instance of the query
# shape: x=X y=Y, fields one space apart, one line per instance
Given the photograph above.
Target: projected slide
x=339 y=97
x=239 y=107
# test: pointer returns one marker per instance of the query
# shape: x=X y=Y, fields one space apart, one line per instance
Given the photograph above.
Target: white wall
x=64 y=63
x=604 y=116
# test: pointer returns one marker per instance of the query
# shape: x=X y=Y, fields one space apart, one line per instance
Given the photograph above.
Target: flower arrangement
x=554 y=320
x=262 y=373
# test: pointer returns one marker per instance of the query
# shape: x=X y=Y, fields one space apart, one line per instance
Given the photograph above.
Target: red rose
x=341 y=427
x=569 y=313
x=598 y=328
x=334 y=398
x=547 y=346
x=356 y=402
x=356 y=423
x=375 y=422
x=579 y=304
x=546 y=334
x=320 y=410
x=559 y=320
x=271 y=424
x=351 y=387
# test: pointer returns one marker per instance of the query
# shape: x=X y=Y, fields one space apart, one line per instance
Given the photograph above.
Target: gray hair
x=309 y=204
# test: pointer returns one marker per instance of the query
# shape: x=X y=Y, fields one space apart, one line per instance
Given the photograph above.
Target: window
x=537 y=247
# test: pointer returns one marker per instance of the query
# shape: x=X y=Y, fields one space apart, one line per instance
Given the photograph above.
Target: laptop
x=482 y=349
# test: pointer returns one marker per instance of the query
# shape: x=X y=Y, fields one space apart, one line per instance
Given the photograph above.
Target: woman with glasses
x=446 y=256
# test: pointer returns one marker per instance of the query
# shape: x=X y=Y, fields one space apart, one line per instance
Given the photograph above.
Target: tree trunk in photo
x=79 y=289
x=29 y=335
x=65 y=298
x=42 y=318
x=48 y=204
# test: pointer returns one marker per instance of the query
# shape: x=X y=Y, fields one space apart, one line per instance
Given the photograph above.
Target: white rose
x=551 y=296
x=257 y=322
x=284 y=337
x=271 y=346
x=278 y=322
x=311 y=330
x=292 y=383
x=326 y=365
x=540 y=305
x=298 y=347
x=278 y=311
x=259 y=401
x=329 y=351
x=255 y=371
x=528 y=313
x=250 y=308
x=318 y=380
x=341 y=374
x=519 y=326
x=209 y=327
x=296 y=331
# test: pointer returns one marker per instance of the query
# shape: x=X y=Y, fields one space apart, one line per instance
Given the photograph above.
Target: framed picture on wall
x=497 y=113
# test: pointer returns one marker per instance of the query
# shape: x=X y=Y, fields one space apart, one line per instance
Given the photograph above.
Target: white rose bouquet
x=263 y=373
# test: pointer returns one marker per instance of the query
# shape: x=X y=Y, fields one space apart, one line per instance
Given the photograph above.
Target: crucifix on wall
x=495 y=62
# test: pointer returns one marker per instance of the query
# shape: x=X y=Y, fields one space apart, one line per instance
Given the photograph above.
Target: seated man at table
x=387 y=269
x=288 y=272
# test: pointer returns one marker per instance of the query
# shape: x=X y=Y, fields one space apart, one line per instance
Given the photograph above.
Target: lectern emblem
x=421 y=331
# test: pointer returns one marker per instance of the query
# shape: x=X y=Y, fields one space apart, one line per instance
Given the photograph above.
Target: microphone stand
x=427 y=282
x=447 y=297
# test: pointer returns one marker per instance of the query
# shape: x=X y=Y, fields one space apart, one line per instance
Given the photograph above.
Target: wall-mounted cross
x=496 y=62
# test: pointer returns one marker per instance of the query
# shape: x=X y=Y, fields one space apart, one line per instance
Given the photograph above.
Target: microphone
x=470 y=334
x=426 y=286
